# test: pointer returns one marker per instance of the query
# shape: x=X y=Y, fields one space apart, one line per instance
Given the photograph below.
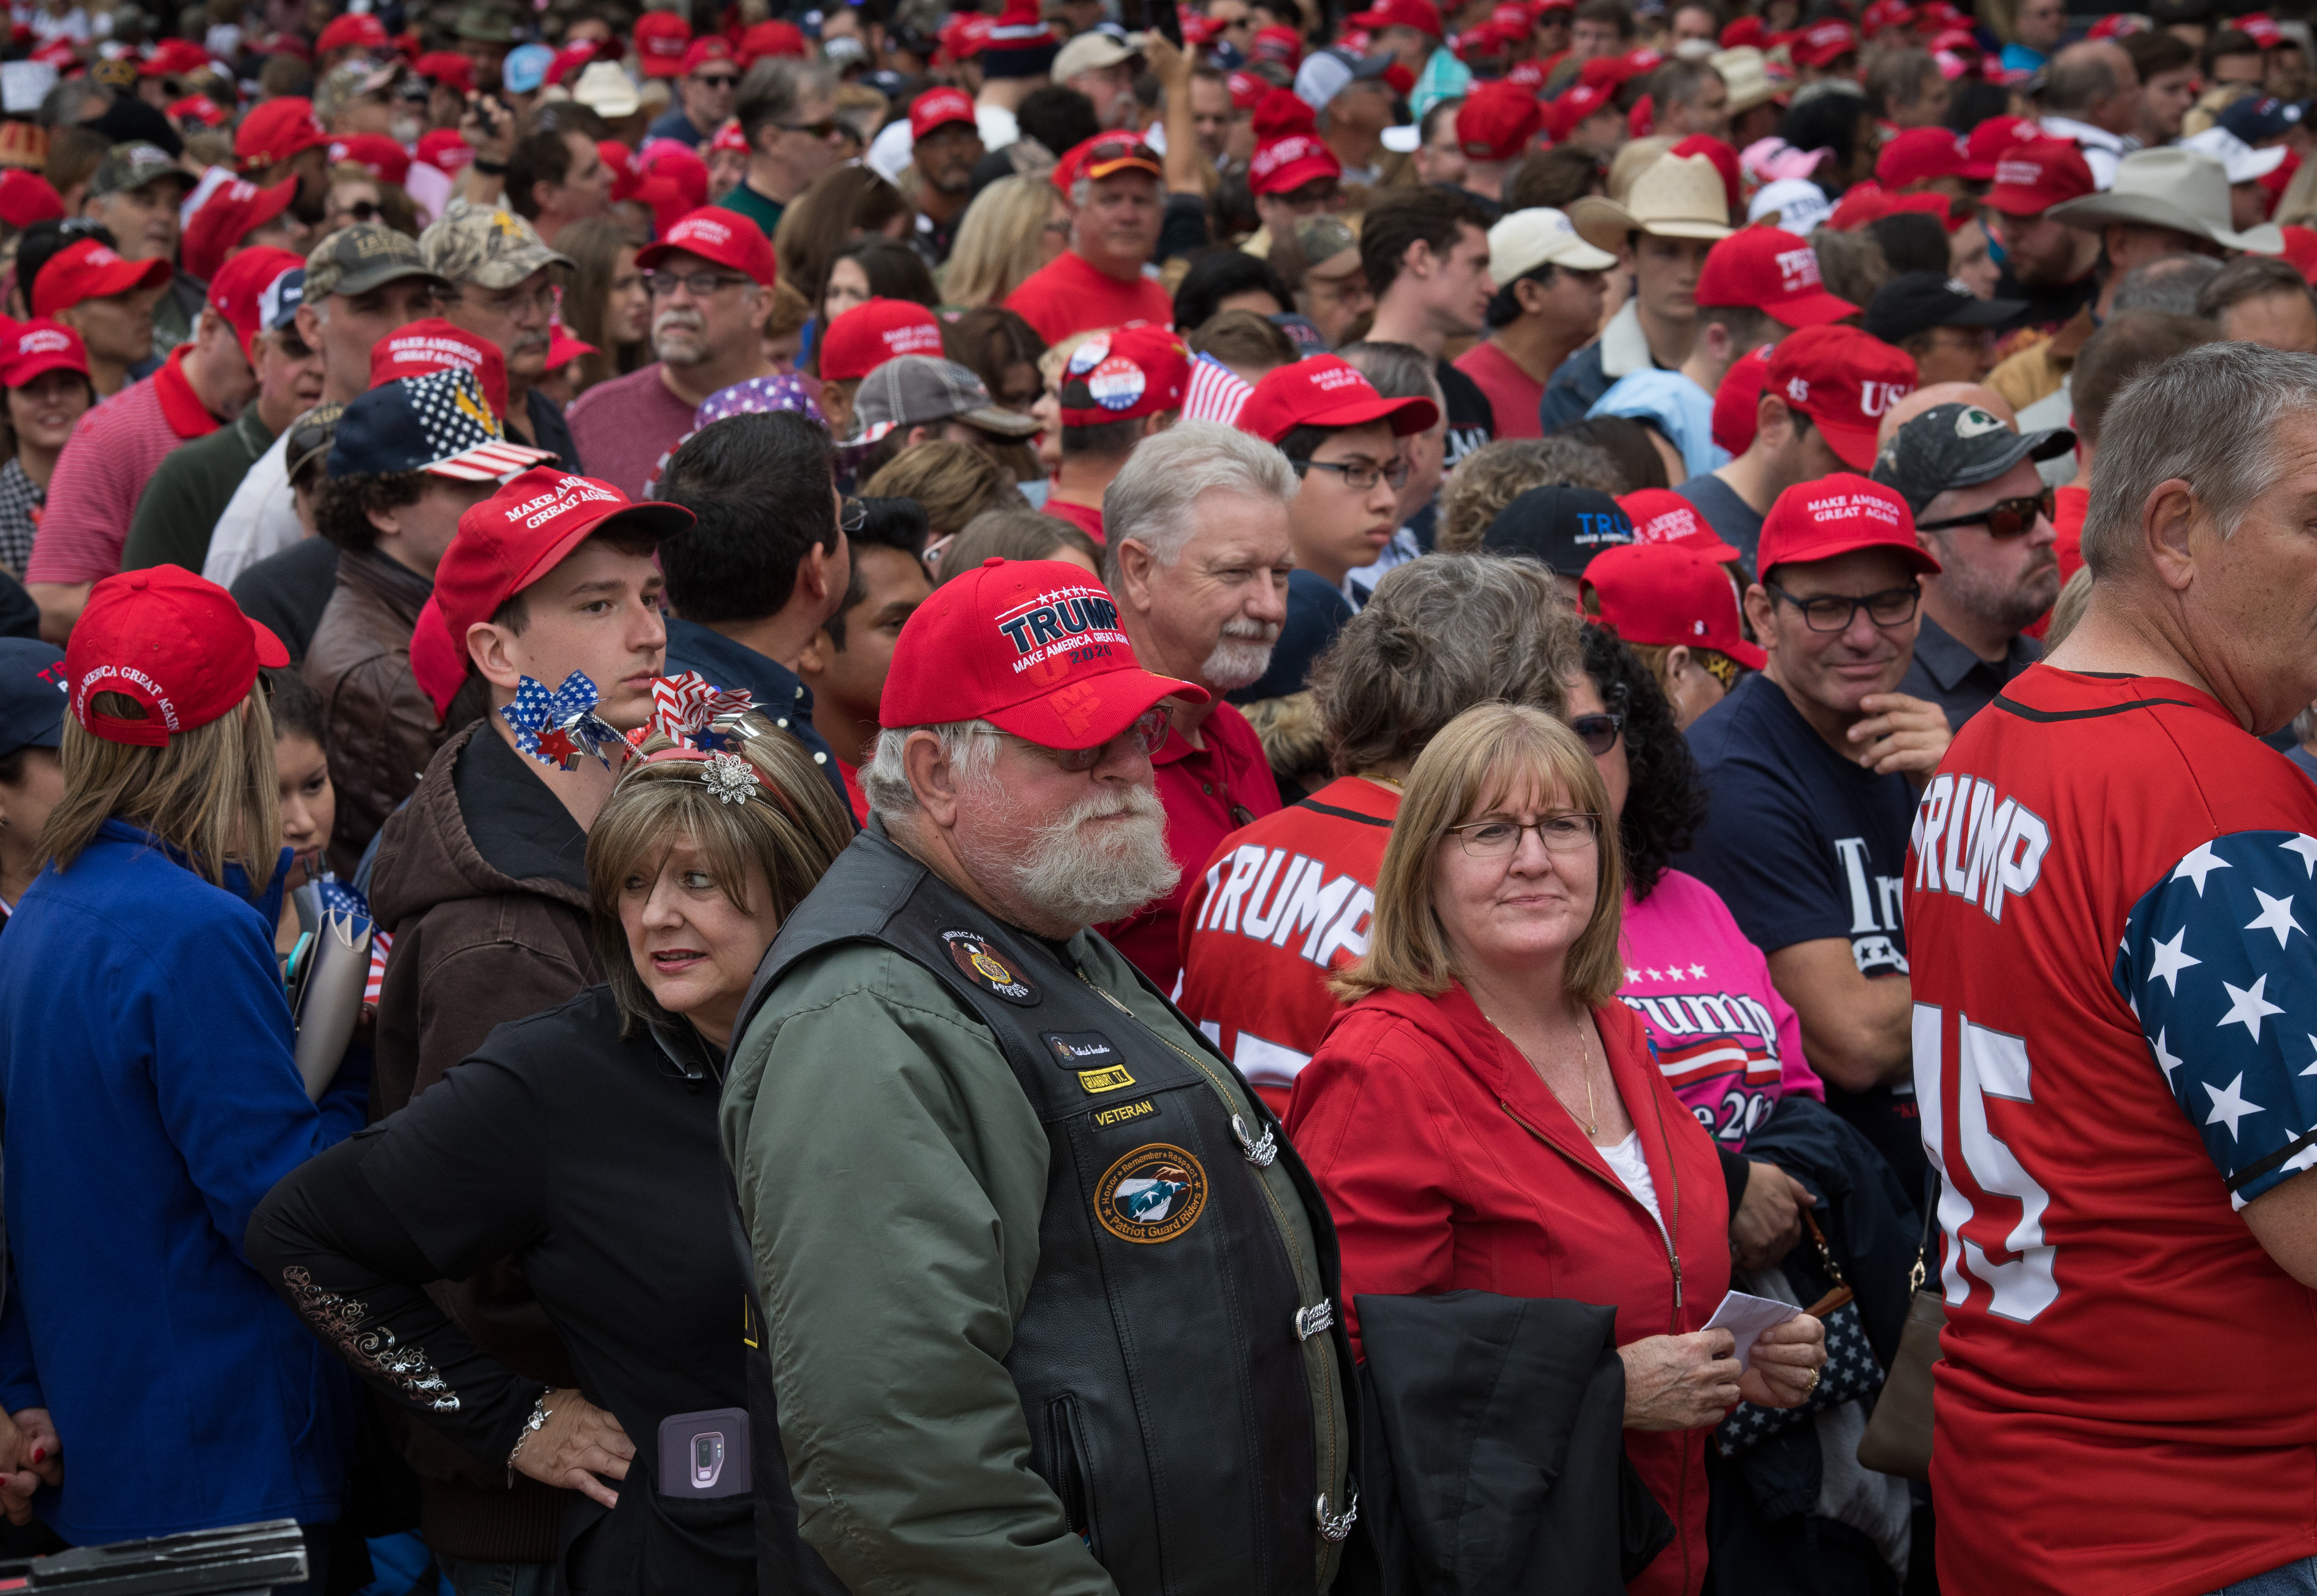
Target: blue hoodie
x=152 y=1099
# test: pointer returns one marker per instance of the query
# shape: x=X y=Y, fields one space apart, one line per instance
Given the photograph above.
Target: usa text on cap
x=1843 y=380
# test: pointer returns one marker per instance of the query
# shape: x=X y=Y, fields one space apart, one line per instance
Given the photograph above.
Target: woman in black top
x=583 y=1141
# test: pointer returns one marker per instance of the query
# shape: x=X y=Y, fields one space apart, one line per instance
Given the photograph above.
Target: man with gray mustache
x=503 y=282
x=1049 y=1303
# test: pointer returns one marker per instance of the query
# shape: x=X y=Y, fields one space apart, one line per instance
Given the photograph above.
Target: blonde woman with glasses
x=1487 y=1115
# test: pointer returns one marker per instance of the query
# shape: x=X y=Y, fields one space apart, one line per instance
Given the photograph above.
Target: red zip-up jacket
x=1449 y=1166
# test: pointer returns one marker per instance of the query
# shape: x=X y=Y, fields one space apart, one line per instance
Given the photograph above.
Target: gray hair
x=1395 y=370
x=1151 y=497
x=2192 y=418
x=2168 y=283
x=773 y=89
x=884 y=781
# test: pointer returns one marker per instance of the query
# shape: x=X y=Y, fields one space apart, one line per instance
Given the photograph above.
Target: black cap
x=31 y=695
x=1562 y=527
x=1916 y=301
x=1959 y=445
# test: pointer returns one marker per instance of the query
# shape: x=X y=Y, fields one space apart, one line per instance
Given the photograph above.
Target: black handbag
x=1851 y=1369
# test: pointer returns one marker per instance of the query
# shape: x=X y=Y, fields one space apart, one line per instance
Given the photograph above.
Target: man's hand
x=1901 y=733
x=31 y=1456
x=488 y=128
x=1171 y=66
x=1768 y=1222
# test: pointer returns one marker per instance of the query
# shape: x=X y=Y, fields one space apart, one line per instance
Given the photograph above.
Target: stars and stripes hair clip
x=558 y=729
x=693 y=713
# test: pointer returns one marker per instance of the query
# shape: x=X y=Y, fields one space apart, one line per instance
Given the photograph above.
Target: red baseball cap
x=27 y=197
x=1864 y=202
x=966 y=34
x=1843 y=380
x=1886 y=13
x=937 y=108
x=176 y=644
x=354 y=31
x=1124 y=376
x=1575 y=105
x=275 y=131
x=89 y=271
x=196 y=108
x=1659 y=594
x=1838 y=515
x=2264 y=30
x=381 y=157
x=182 y=57
x=2031 y=178
x=1285 y=164
x=1773 y=270
x=1991 y=138
x=873 y=332
x=1823 y=43
x=505 y=544
x=706 y=48
x=729 y=137
x=1418 y=14
x=1102 y=156
x=445 y=151
x=725 y=237
x=449 y=68
x=562 y=346
x=1008 y=644
x=1725 y=161
x=672 y=181
x=1497 y=122
x=1662 y=516
x=238 y=291
x=661 y=39
x=1737 y=402
x=1920 y=155
x=233 y=209
x=2300 y=249
x=1322 y=390
x=1746 y=31
x=1278 y=43
x=416 y=348
x=1247 y=90
x=772 y=38
x=40 y=346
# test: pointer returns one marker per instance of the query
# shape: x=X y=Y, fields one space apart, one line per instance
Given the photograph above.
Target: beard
x=679 y=337
x=2008 y=606
x=1072 y=877
x=1241 y=656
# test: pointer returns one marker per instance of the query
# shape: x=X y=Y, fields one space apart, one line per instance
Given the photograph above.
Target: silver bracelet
x=530 y=1428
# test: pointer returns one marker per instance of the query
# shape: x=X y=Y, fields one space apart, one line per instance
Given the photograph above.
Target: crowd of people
x=1102 y=797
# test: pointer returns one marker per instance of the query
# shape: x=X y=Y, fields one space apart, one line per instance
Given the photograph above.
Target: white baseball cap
x=1526 y=239
x=2244 y=163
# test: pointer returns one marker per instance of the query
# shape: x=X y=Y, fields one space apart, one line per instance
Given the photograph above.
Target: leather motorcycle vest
x=1159 y=1355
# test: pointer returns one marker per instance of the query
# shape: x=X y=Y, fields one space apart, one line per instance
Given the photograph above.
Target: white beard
x=1240 y=655
x=1081 y=878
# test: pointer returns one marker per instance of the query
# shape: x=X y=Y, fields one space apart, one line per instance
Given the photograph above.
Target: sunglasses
x=360 y=210
x=717 y=81
x=2005 y=518
x=1598 y=733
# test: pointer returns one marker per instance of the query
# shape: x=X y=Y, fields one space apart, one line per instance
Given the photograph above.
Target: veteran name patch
x=1088 y=1055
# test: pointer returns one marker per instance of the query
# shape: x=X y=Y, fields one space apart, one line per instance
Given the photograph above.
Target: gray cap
x=130 y=166
x=1959 y=445
x=356 y=259
x=921 y=389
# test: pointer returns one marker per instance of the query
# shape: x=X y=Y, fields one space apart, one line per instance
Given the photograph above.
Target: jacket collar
x=266 y=900
x=388 y=582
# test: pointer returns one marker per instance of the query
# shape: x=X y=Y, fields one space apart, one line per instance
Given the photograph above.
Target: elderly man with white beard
x=1197 y=561
x=998 y=1190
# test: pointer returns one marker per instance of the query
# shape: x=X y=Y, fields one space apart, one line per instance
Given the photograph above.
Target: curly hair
x=1495 y=474
x=343 y=507
x=1665 y=800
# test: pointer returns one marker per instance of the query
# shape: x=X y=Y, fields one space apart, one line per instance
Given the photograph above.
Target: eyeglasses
x=699 y=284
x=1559 y=833
x=720 y=81
x=823 y=128
x=852 y=518
x=1599 y=732
x=1893 y=607
x=1358 y=476
x=2005 y=518
x=1149 y=732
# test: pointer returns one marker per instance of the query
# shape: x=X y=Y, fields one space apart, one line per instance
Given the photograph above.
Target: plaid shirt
x=20 y=516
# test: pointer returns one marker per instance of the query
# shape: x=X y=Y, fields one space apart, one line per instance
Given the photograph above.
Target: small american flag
x=1217 y=393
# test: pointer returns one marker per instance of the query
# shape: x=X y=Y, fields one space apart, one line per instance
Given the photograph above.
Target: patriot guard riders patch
x=1153 y=1194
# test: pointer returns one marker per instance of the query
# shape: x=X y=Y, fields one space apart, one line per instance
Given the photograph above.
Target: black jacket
x=1493 y=1455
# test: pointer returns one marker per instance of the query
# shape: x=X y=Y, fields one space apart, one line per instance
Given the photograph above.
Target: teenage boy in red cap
x=1119 y=389
x=114 y=450
x=1755 y=285
x=948 y=958
x=481 y=878
x=945 y=145
x=710 y=282
x=1343 y=439
x=1814 y=765
x=108 y=301
x=863 y=339
x=1111 y=183
x=1663 y=595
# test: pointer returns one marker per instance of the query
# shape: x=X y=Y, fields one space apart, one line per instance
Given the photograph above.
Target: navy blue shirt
x=674 y=124
x=1803 y=844
x=779 y=696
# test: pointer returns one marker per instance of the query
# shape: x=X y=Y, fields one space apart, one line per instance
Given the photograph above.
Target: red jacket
x=1449 y=1166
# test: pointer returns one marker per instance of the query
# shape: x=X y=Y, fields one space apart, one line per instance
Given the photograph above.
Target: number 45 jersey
x=2110 y=894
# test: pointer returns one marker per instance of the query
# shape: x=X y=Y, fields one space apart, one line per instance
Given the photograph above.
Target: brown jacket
x=380 y=722
x=489 y=925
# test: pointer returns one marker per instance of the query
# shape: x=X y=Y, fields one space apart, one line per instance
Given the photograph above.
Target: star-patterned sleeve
x=2218 y=963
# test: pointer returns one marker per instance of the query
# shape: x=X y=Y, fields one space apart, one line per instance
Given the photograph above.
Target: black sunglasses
x=1597 y=732
x=2005 y=518
x=717 y=81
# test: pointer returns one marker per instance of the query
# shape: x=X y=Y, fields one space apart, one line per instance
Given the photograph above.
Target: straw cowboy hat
x=1680 y=197
x=2184 y=190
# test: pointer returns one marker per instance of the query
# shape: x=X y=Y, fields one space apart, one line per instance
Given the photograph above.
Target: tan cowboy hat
x=1680 y=197
x=2185 y=190
x=1747 y=71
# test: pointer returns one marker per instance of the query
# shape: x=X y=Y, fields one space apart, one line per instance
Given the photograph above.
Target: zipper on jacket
x=1664 y=1234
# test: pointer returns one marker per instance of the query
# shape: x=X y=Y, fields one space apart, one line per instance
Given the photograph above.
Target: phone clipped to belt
x=704 y=1455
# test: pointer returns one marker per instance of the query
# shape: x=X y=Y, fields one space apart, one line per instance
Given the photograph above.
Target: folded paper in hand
x=1747 y=1317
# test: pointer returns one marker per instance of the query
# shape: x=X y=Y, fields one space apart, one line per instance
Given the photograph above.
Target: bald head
x=1943 y=393
x=2096 y=83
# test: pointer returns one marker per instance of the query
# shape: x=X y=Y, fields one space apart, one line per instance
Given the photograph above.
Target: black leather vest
x=1159 y=1355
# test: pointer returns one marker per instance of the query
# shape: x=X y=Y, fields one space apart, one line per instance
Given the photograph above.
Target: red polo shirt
x=1087 y=520
x=103 y=469
x=1069 y=295
x=1209 y=792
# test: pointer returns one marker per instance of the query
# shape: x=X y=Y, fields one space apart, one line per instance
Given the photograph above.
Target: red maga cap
x=27 y=197
x=661 y=39
x=275 y=131
x=1737 y=402
x=1124 y=376
x=447 y=67
x=724 y=236
x=1991 y=138
x=89 y=271
x=2032 y=178
x=772 y=38
x=1773 y=270
x=1498 y=121
x=1843 y=380
x=419 y=347
x=1662 y=516
x=1418 y=14
x=1031 y=646
x=1659 y=595
x=1323 y=390
x=1102 y=156
x=873 y=332
x=381 y=157
x=176 y=644
x=238 y=289
x=937 y=108
x=233 y=209
x=1838 y=515
x=354 y=31
x=41 y=346
x=1920 y=155
x=1823 y=43
x=709 y=47
x=1576 y=104
x=1278 y=43
x=505 y=544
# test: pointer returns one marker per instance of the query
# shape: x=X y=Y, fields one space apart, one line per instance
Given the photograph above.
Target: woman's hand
x=1680 y=1382
x=578 y=1441
x=1768 y=1222
x=31 y=1456
x=1785 y=1363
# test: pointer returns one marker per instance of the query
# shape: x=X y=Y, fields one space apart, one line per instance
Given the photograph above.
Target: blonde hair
x=210 y=793
x=792 y=830
x=999 y=244
x=953 y=481
x=1479 y=758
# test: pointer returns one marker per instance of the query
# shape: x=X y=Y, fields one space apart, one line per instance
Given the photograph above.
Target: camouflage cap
x=1323 y=238
x=486 y=24
x=488 y=246
x=127 y=167
x=349 y=81
x=356 y=259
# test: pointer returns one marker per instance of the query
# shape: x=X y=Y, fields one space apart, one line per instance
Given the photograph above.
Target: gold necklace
x=1592 y=1120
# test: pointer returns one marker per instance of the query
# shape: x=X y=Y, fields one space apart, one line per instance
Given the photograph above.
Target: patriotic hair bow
x=558 y=728
x=693 y=713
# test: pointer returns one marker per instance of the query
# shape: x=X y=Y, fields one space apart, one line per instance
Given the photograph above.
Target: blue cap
x=31 y=695
x=2256 y=117
x=439 y=423
x=277 y=306
x=526 y=67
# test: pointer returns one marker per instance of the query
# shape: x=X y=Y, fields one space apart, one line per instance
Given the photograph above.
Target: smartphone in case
x=705 y=1455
